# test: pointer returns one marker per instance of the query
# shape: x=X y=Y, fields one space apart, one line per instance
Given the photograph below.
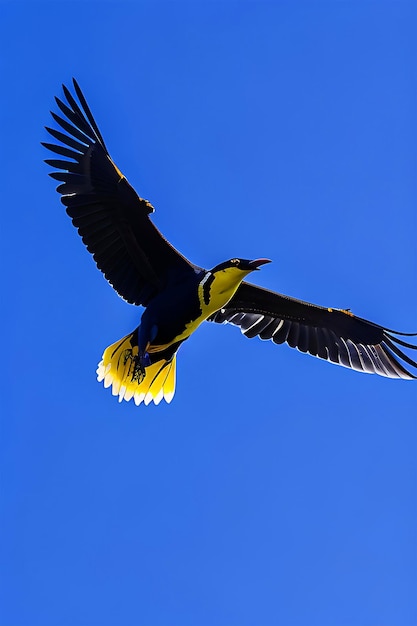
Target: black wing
x=332 y=334
x=111 y=218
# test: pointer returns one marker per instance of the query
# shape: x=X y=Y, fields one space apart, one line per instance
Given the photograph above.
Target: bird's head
x=239 y=267
x=223 y=280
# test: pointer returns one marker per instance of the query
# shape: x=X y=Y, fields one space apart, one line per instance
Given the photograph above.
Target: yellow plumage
x=117 y=369
x=143 y=267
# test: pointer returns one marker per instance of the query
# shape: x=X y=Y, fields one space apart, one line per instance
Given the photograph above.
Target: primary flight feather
x=178 y=296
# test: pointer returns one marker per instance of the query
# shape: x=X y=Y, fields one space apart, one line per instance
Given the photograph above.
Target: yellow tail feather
x=117 y=367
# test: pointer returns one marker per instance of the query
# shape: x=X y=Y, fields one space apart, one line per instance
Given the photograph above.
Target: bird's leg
x=137 y=365
x=139 y=372
x=141 y=360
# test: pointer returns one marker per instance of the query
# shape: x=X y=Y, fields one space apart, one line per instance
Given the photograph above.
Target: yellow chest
x=214 y=291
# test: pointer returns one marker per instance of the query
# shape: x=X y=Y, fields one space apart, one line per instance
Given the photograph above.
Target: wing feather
x=111 y=218
x=331 y=334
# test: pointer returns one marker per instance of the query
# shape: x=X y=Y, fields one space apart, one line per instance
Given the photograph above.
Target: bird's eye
x=234 y=261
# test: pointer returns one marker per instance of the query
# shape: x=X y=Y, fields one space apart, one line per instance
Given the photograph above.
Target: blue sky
x=276 y=488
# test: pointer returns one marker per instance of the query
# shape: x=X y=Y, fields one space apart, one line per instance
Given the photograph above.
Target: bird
x=177 y=295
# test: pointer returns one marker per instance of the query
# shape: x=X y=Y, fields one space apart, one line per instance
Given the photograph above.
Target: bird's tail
x=118 y=368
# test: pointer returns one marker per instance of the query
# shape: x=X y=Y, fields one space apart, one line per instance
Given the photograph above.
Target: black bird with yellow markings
x=178 y=296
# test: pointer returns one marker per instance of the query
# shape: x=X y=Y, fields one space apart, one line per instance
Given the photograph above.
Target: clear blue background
x=276 y=488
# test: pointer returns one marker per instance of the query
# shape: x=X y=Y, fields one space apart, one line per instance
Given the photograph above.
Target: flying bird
x=177 y=296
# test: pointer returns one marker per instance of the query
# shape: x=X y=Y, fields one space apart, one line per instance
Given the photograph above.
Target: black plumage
x=331 y=334
x=146 y=270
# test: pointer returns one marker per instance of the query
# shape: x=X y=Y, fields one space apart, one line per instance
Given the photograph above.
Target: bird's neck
x=217 y=288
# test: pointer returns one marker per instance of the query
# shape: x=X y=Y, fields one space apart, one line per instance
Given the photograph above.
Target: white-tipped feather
x=108 y=379
x=138 y=398
x=116 y=387
x=122 y=392
x=157 y=399
x=168 y=396
x=100 y=371
x=116 y=369
x=129 y=393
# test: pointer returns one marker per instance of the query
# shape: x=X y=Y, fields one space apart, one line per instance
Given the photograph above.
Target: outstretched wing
x=335 y=335
x=111 y=218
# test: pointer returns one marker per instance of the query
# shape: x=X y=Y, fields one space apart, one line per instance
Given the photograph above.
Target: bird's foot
x=140 y=362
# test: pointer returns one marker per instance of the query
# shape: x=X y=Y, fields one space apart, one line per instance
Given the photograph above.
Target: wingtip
x=74 y=82
x=77 y=87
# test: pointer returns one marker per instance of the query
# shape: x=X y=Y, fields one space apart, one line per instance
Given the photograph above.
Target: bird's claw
x=140 y=362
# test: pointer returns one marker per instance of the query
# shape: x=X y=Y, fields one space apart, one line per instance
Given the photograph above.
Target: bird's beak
x=258 y=262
